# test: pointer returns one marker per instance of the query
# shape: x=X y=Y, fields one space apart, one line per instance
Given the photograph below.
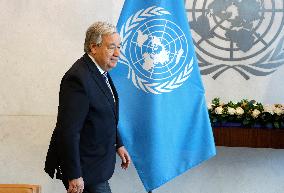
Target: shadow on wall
x=275 y=87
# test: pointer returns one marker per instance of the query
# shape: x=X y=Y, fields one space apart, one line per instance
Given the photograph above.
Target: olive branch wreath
x=264 y=66
x=156 y=87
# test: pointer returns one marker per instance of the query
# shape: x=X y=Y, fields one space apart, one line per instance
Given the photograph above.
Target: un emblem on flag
x=156 y=51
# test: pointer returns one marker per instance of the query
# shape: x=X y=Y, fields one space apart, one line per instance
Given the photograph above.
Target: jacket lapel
x=98 y=78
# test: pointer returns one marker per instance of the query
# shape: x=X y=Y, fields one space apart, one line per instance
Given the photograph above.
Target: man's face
x=106 y=55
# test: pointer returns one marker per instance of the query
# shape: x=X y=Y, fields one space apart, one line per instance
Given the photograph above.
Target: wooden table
x=249 y=137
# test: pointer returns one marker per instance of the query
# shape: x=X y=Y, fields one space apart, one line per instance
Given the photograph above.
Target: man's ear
x=93 y=48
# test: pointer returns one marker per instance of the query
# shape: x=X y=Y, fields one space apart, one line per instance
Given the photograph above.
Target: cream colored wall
x=232 y=86
x=23 y=145
x=39 y=40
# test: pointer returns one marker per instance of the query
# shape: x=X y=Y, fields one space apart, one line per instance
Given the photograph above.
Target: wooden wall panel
x=249 y=137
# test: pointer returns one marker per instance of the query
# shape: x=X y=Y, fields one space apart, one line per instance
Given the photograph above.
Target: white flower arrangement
x=239 y=111
x=255 y=113
x=247 y=113
x=219 y=110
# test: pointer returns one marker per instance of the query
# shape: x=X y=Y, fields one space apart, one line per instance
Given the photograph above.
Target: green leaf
x=276 y=125
x=245 y=122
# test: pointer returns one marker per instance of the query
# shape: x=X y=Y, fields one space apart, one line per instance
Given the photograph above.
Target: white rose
x=268 y=109
x=239 y=111
x=278 y=111
x=209 y=106
x=255 y=113
x=219 y=110
x=231 y=111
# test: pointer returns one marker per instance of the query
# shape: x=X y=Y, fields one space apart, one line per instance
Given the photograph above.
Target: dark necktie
x=108 y=84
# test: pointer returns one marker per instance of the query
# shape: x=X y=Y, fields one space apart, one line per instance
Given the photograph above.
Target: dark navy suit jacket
x=85 y=138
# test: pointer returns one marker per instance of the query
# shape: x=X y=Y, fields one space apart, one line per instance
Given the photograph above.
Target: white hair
x=95 y=32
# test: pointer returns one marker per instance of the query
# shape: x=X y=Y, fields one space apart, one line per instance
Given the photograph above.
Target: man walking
x=85 y=139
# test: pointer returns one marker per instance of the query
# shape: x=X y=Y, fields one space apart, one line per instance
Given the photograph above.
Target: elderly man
x=85 y=140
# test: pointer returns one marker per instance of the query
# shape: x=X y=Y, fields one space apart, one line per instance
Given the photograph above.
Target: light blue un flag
x=164 y=121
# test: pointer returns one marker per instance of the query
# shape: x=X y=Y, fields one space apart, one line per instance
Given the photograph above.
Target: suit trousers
x=102 y=187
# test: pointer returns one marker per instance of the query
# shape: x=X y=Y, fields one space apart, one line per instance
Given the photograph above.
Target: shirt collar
x=100 y=69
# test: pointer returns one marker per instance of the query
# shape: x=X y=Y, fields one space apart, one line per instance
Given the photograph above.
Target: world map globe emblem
x=158 y=49
x=234 y=34
x=155 y=49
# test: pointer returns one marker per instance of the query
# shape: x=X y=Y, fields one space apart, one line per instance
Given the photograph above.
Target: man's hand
x=125 y=158
x=76 y=185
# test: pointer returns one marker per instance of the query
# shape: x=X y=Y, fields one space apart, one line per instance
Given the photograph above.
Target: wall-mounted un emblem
x=156 y=51
x=246 y=36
